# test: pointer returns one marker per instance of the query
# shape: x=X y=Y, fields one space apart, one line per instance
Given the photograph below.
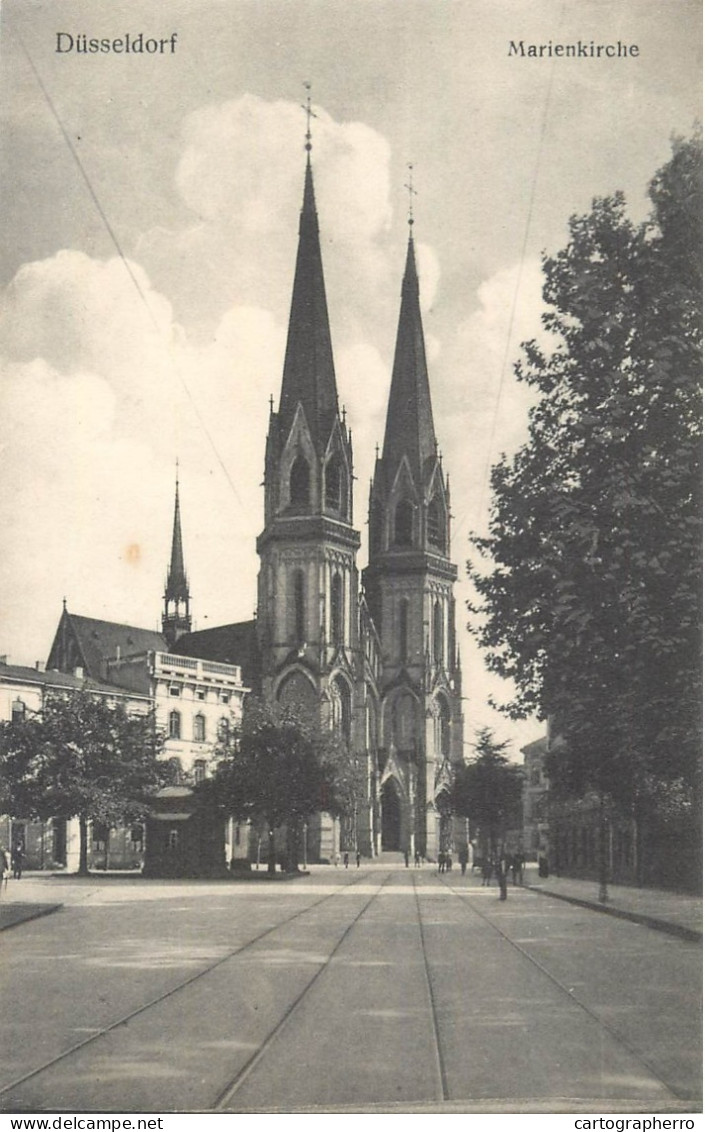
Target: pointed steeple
x=309 y=372
x=409 y=429
x=176 y=618
x=177 y=582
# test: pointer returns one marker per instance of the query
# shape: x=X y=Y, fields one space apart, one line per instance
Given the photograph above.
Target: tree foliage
x=592 y=602
x=487 y=791
x=278 y=768
x=81 y=757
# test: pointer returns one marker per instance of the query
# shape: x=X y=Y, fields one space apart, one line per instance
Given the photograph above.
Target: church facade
x=373 y=656
x=379 y=661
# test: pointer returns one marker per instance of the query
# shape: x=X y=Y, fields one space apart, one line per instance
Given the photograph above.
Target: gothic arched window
x=300 y=485
x=436 y=524
x=438 y=633
x=336 y=609
x=342 y=708
x=334 y=483
x=403 y=722
x=403 y=523
x=443 y=723
x=404 y=630
x=298 y=606
x=297 y=690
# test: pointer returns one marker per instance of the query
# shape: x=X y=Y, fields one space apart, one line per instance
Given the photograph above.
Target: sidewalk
x=675 y=912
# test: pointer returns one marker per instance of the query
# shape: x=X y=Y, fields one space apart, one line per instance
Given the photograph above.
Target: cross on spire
x=309 y=115
x=412 y=194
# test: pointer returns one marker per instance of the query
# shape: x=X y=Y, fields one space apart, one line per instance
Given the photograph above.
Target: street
x=387 y=987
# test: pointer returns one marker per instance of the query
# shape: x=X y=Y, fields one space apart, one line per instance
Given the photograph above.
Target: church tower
x=308 y=610
x=176 y=617
x=409 y=590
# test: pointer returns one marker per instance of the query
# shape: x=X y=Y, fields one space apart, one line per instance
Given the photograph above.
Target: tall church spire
x=409 y=428
x=309 y=372
x=175 y=619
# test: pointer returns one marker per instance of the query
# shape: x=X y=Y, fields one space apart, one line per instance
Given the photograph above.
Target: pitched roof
x=409 y=428
x=51 y=678
x=229 y=644
x=309 y=372
x=100 y=641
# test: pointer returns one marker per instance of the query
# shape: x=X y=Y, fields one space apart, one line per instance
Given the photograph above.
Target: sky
x=150 y=208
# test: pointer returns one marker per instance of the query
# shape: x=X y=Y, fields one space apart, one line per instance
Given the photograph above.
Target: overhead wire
x=485 y=483
x=124 y=260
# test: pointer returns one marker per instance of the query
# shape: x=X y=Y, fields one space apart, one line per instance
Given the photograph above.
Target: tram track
x=230 y=1090
x=164 y=996
x=471 y=908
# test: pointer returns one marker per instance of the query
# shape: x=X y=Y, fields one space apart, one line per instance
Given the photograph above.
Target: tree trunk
x=603 y=866
x=83 y=846
x=272 y=858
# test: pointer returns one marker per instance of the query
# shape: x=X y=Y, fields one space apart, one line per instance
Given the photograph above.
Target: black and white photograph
x=350 y=559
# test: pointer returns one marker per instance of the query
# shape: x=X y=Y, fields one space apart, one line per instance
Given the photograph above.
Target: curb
x=35 y=914
x=666 y=926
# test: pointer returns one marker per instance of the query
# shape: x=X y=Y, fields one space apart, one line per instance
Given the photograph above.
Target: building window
x=225 y=697
x=199 y=770
x=404 y=523
x=174 y=724
x=336 y=609
x=438 y=633
x=404 y=630
x=174 y=689
x=298 y=606
x=300 y=485
x=174 y=765
x=435 y=524
x=199 y=728
x=19 y=710
x=200 y=693
x=333 y=484
x=342 y=708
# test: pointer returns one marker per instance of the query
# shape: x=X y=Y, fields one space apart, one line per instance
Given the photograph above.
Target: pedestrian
x=346 y=859
x=520 y=862
x=357 y=859
x=449 y=862
x=463 y=858
x=17 y=860
x=417 y=859
x=501 y=870
x=406 y=858
x=4 y=868
x=486 y=872
x=514 y=867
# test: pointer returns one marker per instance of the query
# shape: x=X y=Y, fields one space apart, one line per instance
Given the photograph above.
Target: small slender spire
x=177 y=582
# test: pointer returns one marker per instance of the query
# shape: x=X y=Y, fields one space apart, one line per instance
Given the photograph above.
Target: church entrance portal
x=391 y=817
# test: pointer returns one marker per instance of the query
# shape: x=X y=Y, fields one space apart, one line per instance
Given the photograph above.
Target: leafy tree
x=592 y=602
x=487 y=791
x=277 y=769
x=82 y=757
